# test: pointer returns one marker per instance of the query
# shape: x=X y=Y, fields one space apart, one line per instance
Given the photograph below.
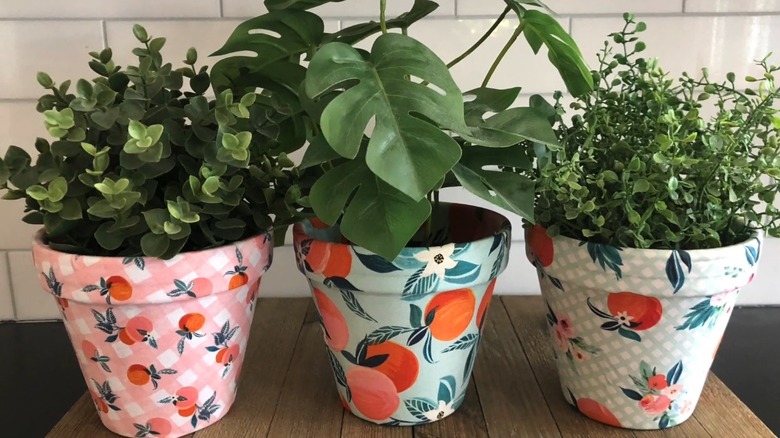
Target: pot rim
x=217 y=263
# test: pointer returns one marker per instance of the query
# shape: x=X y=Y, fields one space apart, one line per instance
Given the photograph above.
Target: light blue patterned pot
x=634 y=332
x=402 y=336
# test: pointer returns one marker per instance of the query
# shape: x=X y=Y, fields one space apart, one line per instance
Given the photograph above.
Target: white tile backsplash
x=721 y=43
x=6 y=299
x=57 y=47
x=55 y=36
x=729 y=6
x=108 y=9
x=566 y=7
x=347 y=8
x=31 y=301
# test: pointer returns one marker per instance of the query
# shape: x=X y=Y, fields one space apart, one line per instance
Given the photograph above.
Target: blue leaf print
x=419 y=406
x=377 y=263
x=633 y=395
x=674 y=374
x=752 y=255
x=418 y=286
x=607 y=256
x=674 y=268
x=557 y=283
x=460 y=248
x=464 y=272
x=496 y=242
x=447 y=387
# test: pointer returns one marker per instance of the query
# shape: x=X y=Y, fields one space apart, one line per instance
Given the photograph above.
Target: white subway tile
x=348 y=8
x=722 y=44
x=108 y=9
x=6 y=299
x=728 y=6
x=450 y=38
x=205 y=35
x=57 y=47
x=20 y=124
x=31 y=301
x=565 y=7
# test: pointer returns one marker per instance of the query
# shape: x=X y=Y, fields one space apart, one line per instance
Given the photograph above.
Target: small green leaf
x=140 y=33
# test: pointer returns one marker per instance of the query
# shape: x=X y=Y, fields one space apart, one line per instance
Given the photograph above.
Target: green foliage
x=641 y=166
x=387 y=128
x=140 y=165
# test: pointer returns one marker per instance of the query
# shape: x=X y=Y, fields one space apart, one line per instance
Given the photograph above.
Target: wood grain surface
x=287 y=389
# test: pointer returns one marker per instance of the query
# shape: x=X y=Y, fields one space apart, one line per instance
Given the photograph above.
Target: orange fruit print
x=160 y=426
x=238 y=280
x=187 y=412
x=401 y=365
x=483 y=306
x=136 y=330
x=100 y=404
x=189 y=396
x=373 y=393
x=541 y=245
x=118 y=288
x=332 y=260
x=228 y=355
x=453 y=311
x=643 y=310
x=597 y=411
x=337 y=332
x=191 y=322
x=138 y=375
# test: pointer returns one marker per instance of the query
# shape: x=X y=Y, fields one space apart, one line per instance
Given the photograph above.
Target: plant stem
x=382 y=15
x=503 y=53
x=481 y=40
x=428 y=227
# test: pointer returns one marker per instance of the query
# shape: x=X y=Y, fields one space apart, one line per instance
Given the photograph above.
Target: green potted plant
x=401 y=281
x=155 y=204
x=650 y=217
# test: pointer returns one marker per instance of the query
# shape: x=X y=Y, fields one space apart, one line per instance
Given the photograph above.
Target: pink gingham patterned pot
x=160 y=342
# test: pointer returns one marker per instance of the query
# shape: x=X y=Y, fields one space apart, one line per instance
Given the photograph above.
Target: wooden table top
x=287 y=389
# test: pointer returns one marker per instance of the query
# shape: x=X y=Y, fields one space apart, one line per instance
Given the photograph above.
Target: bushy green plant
x=641 y=164
x=141 y=166
x=379 y=181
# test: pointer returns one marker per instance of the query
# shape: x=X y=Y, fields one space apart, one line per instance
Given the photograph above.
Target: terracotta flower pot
x=402 y=336
x=160 y=342
x=634 y=331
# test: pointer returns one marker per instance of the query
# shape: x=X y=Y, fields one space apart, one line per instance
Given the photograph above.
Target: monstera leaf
x=542 y=29
x=378 y=217
x=507 y=190
x=278 y=38
x=408 y=149
x=353 y=34
x=277 y=5
x=506 y=126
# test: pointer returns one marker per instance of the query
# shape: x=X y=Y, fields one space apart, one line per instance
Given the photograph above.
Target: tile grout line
x=7 y=261
x=104 y=34
x=684 y=5
x=221 y=9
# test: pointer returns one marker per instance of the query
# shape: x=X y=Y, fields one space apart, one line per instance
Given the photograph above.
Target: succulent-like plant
x=642 y=165
x=380 y=181
x=141 y=165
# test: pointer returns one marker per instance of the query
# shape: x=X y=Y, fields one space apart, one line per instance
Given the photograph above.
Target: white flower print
x=624 y=318
x=438 y=259
x=442 y=411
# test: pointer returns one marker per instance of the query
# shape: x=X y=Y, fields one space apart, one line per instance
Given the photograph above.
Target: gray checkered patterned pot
x=634 y=332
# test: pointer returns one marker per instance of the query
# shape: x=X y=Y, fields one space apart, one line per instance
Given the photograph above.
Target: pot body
x=634 y=331
x=160 y=342
x=402 y=336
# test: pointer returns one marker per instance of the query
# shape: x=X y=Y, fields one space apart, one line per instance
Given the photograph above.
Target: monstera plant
x=380 y=183
x=401 y=281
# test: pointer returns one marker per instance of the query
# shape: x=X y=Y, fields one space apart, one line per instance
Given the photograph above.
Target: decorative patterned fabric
x=402 y=336
x=634 y=332
x=160 y=342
